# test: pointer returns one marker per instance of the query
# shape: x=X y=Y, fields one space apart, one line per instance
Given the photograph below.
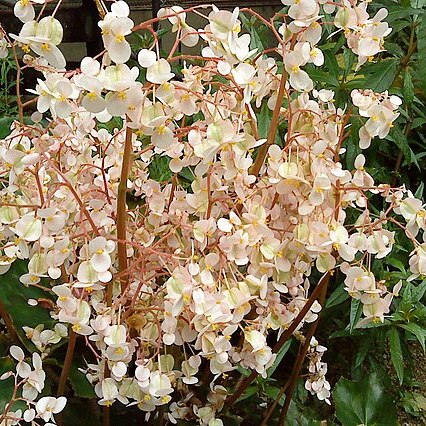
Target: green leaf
x=264 y=120
x=396 y=353
x=394 y=49
x=418 y=4
x=186 y=174
x=420 y=189
x=408 y=87
x=399 y=12
x=338 y=296
x=364 y=403
x=272 y=392
x=421 y=50
x=300 y=415
x=418 y=292
x=397 y=136
x=280 y=355
x=420 y=312
x=243 y=371
x=250 y=391
x=14 y=296
x=5 y=123
x=355 y=314
x=159 y=168
x=407 y=295
x=321 y=76
x=382 y=74
x=418 y=331
x=6 y=386
x=349 y=60
x=414 y=403
x=396 y=263
x=255 y=39
x=352 y=144
x=330 y=63
x=363 y=348
x=418 y=122
x=80 y=384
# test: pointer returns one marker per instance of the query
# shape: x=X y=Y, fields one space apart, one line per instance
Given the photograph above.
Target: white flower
x=256 y=339
x=321 y=185
x=92 y=100
x=22 y=368
x=56 y=93
x=13 y=418
x=116 y=336
x=47 y=406
x=243 y=74
x=43 y=39
x=65 y=300
x=189 y=35
x=100 y=249
x=29 y=228
x=96 y=268
x=299 y=79
x=339 y=238
x=142 y=375
x=146 y=58
x=159 y=72
x=215 y=422
x=35 y=381
x=160 y=384
x=29 y=415
x=51 y=29
x=24 y=10
x=115 y=26
x=302 y=10
x=109 y=392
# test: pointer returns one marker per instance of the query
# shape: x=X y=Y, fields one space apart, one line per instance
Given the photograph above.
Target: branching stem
x=284 y=337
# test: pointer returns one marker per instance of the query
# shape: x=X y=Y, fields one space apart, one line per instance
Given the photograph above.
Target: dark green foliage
x=365 y=402
x=14 y=297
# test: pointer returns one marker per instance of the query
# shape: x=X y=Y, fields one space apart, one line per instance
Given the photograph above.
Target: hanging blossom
x=42 y=38
x=380 y=109
x=115 y=26
x=30 y=380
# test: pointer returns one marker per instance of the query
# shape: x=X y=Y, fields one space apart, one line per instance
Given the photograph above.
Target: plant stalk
x=284 y=337
x=67 y=363
x=263 y=150
x=9 y=324
x=122 y=209
x=301 y=357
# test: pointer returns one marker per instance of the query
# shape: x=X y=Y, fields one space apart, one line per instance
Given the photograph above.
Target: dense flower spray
x=193 y=280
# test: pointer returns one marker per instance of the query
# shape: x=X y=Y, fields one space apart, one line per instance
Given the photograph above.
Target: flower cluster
x=42 y=37
x=199 y=272
x=316 y=383
x=380 y=111
x=365 y=35
x=43 y=338
x=30 y=381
